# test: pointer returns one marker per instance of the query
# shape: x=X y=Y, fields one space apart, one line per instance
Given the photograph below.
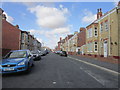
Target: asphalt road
x=55 y=71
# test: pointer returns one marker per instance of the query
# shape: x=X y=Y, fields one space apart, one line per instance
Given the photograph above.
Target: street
x=55 y=71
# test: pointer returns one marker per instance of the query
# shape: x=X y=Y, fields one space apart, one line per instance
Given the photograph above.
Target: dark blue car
x=17 y=61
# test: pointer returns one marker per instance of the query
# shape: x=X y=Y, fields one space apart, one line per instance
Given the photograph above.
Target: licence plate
x=8 y=69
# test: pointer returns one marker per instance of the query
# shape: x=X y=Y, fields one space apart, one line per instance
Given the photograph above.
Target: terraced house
x=102 y=34
x=92 y=39
x=109 y=32
x=13 y=38
x=100 y=38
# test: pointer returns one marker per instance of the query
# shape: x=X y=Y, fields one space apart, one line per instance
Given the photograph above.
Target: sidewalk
x=109 y=65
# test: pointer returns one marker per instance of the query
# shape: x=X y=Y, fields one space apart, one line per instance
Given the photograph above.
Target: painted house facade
x=100 y=38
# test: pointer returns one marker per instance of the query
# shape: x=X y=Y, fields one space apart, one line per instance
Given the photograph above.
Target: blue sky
x=50 y=21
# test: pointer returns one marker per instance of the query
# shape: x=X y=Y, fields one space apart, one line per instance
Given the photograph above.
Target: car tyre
x=29 y=69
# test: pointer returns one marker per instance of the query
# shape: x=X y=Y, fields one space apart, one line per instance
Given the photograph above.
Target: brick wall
x=10 y=37
x=81 y=37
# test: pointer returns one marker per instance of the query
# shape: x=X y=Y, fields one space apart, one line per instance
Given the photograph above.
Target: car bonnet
x=12 y=60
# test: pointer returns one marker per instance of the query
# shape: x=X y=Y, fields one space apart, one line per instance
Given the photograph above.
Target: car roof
x=19 y=50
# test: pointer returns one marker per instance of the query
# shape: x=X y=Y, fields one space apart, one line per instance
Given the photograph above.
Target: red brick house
x=81 y=37
x=11 y=36
x=81 y=40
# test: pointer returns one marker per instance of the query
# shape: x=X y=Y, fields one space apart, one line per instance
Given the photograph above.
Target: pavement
x=55 y=71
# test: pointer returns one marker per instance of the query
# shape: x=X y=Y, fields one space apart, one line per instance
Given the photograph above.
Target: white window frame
x=91 y=33
x=88 y=33
x=106 y=26
x=101 y=27
x=96 y=30
x=95 y=48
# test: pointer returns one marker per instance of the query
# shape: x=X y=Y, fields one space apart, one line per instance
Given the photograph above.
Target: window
x=95 y=32
x=90 y=47
x=89 y=33
x=101 y=27
x=95 y=47
x=106 y=26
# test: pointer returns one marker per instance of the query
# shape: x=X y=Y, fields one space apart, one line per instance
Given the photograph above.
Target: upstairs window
x=106 y=26
x=89 y=33
x=101 y=27
x=95 y=32
x=95 y=46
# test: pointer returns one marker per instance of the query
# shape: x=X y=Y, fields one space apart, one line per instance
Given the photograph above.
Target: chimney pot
x=100 y=10
x=17 y=26
x=1 y=11
x=4 y=16
x=60 y=38
x=82 y=29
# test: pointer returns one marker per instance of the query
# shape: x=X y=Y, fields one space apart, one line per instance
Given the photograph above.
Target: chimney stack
x=4 y=16
x=75 y=32
x=60 y=38
x=99 y=13
x=82 y=29
x=17 y=26
x=1 y=11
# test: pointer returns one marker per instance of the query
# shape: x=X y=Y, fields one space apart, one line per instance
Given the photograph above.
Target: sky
x=48 y=21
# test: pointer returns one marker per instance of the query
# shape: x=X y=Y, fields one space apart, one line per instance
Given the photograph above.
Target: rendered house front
x=108 y=33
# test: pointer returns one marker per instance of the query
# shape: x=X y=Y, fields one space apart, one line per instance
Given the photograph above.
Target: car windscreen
x=17 y=54
x=34 y=52
x=63 y=52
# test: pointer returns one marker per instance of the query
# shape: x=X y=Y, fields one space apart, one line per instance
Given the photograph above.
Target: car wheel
x=40 y=57
x=28 y=69
x=33 y=65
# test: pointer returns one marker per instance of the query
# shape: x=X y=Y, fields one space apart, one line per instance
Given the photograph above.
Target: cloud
x=89 y=17
x=9 y=18
x=50 y=17
x=115 y=2
x=52 y=22
x=57 y=31
x=51 y=35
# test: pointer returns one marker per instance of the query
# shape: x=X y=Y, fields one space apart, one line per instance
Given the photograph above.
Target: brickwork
x=10 y=37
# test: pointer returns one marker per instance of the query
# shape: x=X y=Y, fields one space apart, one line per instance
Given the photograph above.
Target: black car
x=36 y=55
x=63 y=53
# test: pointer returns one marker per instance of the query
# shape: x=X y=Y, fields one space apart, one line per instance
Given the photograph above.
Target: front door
x=105 y=49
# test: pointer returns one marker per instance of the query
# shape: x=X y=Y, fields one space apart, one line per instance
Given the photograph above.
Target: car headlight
x=22 y=63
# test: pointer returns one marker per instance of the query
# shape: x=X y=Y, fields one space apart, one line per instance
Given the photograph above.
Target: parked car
x=58 y=52
x=17 y=61
x=36 y=55
x=63 y=53
x=44 y=52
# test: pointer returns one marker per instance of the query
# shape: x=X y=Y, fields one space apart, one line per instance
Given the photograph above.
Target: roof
x=94 y=22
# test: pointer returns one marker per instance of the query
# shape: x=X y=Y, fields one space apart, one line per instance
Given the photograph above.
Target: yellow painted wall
x=111 y=34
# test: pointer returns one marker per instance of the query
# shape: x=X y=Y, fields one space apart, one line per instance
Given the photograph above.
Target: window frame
x=95 y=32
x=95 y=47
